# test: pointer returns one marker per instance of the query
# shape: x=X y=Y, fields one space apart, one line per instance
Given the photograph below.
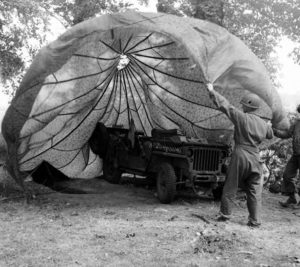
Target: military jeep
x=167 y=157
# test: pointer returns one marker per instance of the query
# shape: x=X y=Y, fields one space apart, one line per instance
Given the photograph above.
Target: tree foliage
x=259 y=23
x=24 y=25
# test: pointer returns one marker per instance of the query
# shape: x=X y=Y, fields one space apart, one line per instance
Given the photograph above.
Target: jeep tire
x=111 y=172
x=166 y=183
x=217 y=192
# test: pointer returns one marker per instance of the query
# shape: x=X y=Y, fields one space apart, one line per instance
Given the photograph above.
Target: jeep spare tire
x=166 y=183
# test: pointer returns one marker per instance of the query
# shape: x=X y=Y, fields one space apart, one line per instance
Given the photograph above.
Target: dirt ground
x=125 y=225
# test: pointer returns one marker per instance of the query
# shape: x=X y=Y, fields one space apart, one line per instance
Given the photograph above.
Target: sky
x=289 y=76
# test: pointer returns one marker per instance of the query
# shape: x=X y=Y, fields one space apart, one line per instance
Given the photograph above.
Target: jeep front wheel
x=217 y=193
x=166 y=183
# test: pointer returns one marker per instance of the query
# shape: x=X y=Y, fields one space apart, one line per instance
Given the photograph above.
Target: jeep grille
x=206 y=159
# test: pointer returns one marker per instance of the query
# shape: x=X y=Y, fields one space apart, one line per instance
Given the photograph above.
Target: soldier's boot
x=290 y=202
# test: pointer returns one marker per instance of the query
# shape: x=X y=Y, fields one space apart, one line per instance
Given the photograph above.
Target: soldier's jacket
x=294 y=132
x=250 y=130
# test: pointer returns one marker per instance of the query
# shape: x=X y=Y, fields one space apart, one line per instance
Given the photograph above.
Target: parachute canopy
x=149 y=68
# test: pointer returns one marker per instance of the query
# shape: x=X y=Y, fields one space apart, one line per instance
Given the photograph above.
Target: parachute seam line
x=77 y=97
x=165 y=73
x=127 y=43
x=38 y=120
x=109 y=100
x=25 y=90
x=131 y=69
x=169 y=118
x=162 y=58
x=115 y=88
x=55 y=78
x=123 y=81
x=119 y=106
x=128 y=74
x=92 y=161
x=13 y=106
x=170 y=107
x=120 y=45
x=138 y=43
x=48 y=96
x=189 y=121
x=66 y=150
x=72 y=159
x=87 y=157
x=165 y=89
x=109 y=46
x=79 y=77
x=65 y=137
x=99 y=64
x=113 y=92
x=146 y=19
x=214 y=116
x=99 y=109
x=67 y=114
x=151 y=48
x=98 y=58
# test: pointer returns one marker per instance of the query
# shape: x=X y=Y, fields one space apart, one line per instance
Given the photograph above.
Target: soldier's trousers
x=244 y=172
x=289 y=185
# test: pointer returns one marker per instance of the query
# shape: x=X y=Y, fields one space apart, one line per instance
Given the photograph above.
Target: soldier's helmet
x=251 y=101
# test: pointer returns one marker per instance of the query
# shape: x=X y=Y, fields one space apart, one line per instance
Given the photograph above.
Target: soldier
x=245 y=167
x=289 y=186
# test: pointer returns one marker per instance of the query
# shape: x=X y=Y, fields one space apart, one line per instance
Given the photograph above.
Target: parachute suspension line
x=111 y=75
x=129 y=78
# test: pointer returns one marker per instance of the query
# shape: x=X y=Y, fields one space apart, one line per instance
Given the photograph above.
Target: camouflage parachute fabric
x=147 y=67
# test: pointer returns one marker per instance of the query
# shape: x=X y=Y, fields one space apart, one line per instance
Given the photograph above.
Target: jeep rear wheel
x=166 y=183
x=111 y=172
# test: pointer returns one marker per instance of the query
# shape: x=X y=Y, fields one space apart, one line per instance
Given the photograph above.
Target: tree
x=259 y=23
x=24 y=25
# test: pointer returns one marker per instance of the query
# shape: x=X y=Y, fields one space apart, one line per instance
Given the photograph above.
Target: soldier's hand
x=209 y=87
